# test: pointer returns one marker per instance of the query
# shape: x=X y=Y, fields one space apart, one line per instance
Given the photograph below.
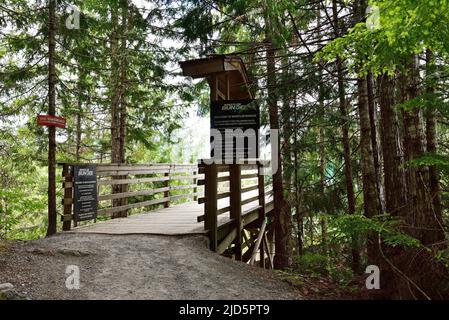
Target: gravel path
x=134 y=267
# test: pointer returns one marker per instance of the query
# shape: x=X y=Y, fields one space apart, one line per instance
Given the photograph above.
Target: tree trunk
x=123 y=97
x=374 y=139
x=79 y=115
x=394 y=175
x=117 y=73
x=322 y=159
x=425 y=225
x=281 y=208
x=431 y=140
x=298 y=192
x=115 y=88
x=418 y=215
x=393 y=157
x=51 y=111
x=345 y=122
x=370 y=191
x=369 y=178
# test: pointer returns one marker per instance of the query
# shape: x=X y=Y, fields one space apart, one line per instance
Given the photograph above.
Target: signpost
x=238 y=123
x=85 y=192
x=235 y=118
x=51 y=121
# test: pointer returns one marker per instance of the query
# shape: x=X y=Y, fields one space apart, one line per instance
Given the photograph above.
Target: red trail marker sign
x=51 y=121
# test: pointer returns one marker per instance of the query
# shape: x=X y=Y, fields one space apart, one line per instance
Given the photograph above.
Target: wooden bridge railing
x=228 y=189
x=147 y=185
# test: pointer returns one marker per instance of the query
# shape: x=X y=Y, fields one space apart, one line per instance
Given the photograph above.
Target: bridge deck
x=176 y=220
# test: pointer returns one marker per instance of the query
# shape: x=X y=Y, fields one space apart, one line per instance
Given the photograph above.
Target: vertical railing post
x=67 y=184
x=167 y=185
x=235 y=187
x=210 y=205
x=261 y=190
x=195 y=189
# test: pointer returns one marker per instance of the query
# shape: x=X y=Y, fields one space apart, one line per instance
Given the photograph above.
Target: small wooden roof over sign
x=226 y=75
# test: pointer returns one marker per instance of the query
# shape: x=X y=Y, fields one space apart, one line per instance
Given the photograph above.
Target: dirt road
x=133 y=267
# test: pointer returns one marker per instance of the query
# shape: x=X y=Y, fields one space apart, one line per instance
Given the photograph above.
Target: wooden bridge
x=230 y=204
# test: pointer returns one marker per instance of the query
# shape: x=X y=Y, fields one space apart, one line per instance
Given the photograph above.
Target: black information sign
x=238 y=124
x=85 y=193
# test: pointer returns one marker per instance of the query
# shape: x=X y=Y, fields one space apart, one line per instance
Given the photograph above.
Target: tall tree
x=281 y=208
x=345 y=124
x=51 y=111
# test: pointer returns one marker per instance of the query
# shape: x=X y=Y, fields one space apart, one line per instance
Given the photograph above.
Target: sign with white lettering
x=51 y=121
x=234 y=127
x=85 y=192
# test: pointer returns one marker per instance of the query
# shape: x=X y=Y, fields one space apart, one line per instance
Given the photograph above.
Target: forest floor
x=134 y=267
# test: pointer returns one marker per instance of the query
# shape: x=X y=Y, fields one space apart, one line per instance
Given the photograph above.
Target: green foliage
x=431 y=159
x=406 y=27
x=386 y=226
x=22 y=189
x=312 y=263
x=320 y=265
x=442 y=256
x=86 y=76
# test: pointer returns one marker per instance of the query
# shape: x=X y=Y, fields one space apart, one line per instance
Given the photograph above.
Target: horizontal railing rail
x=237 y=189
x=142 y=186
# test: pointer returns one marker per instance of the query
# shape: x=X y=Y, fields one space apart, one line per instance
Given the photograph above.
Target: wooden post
x=213 y=88
x=67 y=173
x=167 y=185
x=259 y=243
x=261 y=184
x=210 y=206
x=235 y=187
x=195 y=189
x=124 y=201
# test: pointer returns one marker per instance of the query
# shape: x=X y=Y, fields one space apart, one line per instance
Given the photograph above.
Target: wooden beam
x=108 y=211
x=250 y=188
x=249 y=200
x=258 y=242
x=145 y=180
x=195 y=185
x=227 y=241
x=167 y=191
x=236 y=208
x=219 y=196
x=68 y=194
x=131 y=194
x=182 y=196
x=219 y=212
x=261 y=188
x=267 y=247
x=201 y=182
x=247 y=255
x=249 y=176
x=210 y=207
x=130 y=181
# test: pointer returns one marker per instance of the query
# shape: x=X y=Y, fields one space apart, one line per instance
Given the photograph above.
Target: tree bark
x=374 y=139
x=431 y=141
x=298 y=192
x=370 y=191
x=423 y=223
x=392 y=149
x=115 y=87
x=79 y=112
x=51 y=111
x=281 y=209
x=345 y=121
x=123 y=96
x=118 y=94
x=369 y=178
x=394 y=175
